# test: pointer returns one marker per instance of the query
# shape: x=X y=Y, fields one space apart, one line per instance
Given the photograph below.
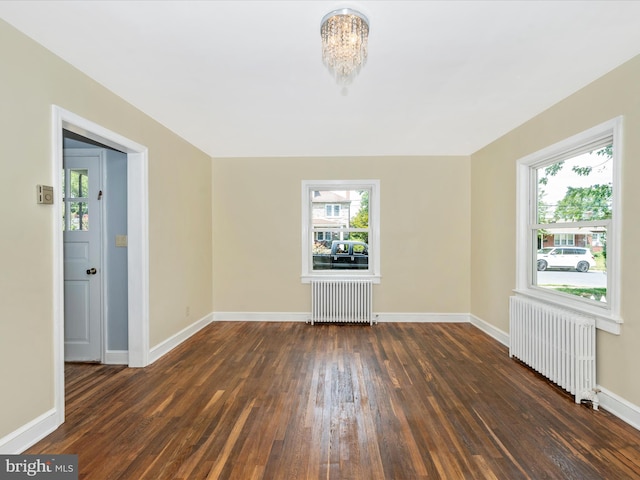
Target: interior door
x=82 y=221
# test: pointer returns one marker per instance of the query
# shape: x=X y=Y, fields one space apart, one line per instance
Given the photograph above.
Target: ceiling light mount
x=345 y=35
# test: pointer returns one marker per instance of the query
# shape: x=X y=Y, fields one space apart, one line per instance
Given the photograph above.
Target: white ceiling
x=245 y=78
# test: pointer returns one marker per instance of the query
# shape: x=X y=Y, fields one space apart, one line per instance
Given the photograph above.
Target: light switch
x=45 y=194
x=121 y=240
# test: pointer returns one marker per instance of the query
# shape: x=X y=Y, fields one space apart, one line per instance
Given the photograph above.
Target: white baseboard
x=29 y=433
x=499 y=335
x=172 y=342
x=116 y=357
x=422 y=317
x=621 y=408
x=305 y=317
x=261 y=317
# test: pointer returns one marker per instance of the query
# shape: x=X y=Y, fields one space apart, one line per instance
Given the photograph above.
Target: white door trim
x=138 y=241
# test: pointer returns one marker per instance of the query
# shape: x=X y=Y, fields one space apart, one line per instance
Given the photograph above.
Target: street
x=591 y=278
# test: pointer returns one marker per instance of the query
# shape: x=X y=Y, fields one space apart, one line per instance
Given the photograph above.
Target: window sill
x=340 y=277
x=606 y=320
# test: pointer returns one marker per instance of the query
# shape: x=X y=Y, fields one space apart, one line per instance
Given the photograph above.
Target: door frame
x=138 y=241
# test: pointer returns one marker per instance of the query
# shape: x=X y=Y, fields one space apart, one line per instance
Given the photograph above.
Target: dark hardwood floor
x=247 y=400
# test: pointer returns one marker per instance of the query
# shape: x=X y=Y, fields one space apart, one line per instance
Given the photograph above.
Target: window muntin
x=340 y=228
x=596 y=228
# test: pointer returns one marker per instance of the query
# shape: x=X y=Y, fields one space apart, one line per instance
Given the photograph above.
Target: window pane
x=322 y=239
x=78 y=216
x=64 y=204
x=578 y=269
x=344 y=253
x=576 y=189
x=340 y=208
x=79 y=183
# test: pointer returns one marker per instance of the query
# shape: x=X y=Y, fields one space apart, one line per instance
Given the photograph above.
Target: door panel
x=77 y=306
x=82 y=225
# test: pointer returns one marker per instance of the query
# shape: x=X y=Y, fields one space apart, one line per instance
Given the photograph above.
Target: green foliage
x=601 y=259
x=579 y=203
x=582 y=171
x=606 y=151
x=585 y=203
x=361 y=219
x=551 y=171
x=543 y=208
x=594 y=293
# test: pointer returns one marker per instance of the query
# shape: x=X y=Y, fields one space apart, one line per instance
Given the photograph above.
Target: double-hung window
x=341 y=229
x=568 y=242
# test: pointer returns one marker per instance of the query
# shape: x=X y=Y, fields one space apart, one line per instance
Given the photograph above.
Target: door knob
x=92 y=271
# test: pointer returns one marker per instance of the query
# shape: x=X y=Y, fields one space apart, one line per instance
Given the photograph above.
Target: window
x=332 y=210
x=564 y=239
x=324 y=236
x=340 y=228
x=75 y=204
x=568 y=222
x=598 y=239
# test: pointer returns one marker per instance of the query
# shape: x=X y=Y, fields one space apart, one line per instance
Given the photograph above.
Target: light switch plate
x=121 y=240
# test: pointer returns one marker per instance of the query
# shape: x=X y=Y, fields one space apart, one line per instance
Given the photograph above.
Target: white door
x=82 y=220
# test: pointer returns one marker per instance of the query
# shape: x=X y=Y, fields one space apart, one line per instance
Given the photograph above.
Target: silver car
x=566 y=257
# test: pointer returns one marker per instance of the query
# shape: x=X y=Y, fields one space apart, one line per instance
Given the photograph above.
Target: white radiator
x=557 y=343
x=341 y=301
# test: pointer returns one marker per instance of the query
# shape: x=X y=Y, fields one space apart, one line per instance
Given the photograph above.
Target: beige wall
x=424 y=231
x=493 y=214
x=33 y=79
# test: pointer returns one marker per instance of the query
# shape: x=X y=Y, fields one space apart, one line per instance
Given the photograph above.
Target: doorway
x=137 y=241
x=94 y=220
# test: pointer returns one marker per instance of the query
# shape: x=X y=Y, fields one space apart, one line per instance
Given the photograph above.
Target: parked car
x=565 y=257
x=344 y=254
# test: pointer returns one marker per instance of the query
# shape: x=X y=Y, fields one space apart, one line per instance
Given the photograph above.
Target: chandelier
x=344 y=33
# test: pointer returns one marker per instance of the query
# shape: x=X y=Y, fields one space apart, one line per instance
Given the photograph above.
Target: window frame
x=607 y=315
x=308 y=187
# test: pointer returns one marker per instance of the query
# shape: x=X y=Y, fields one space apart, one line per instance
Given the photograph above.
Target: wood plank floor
x=248 y=400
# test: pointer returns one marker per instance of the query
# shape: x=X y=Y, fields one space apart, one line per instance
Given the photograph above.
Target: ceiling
x=246 y=79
